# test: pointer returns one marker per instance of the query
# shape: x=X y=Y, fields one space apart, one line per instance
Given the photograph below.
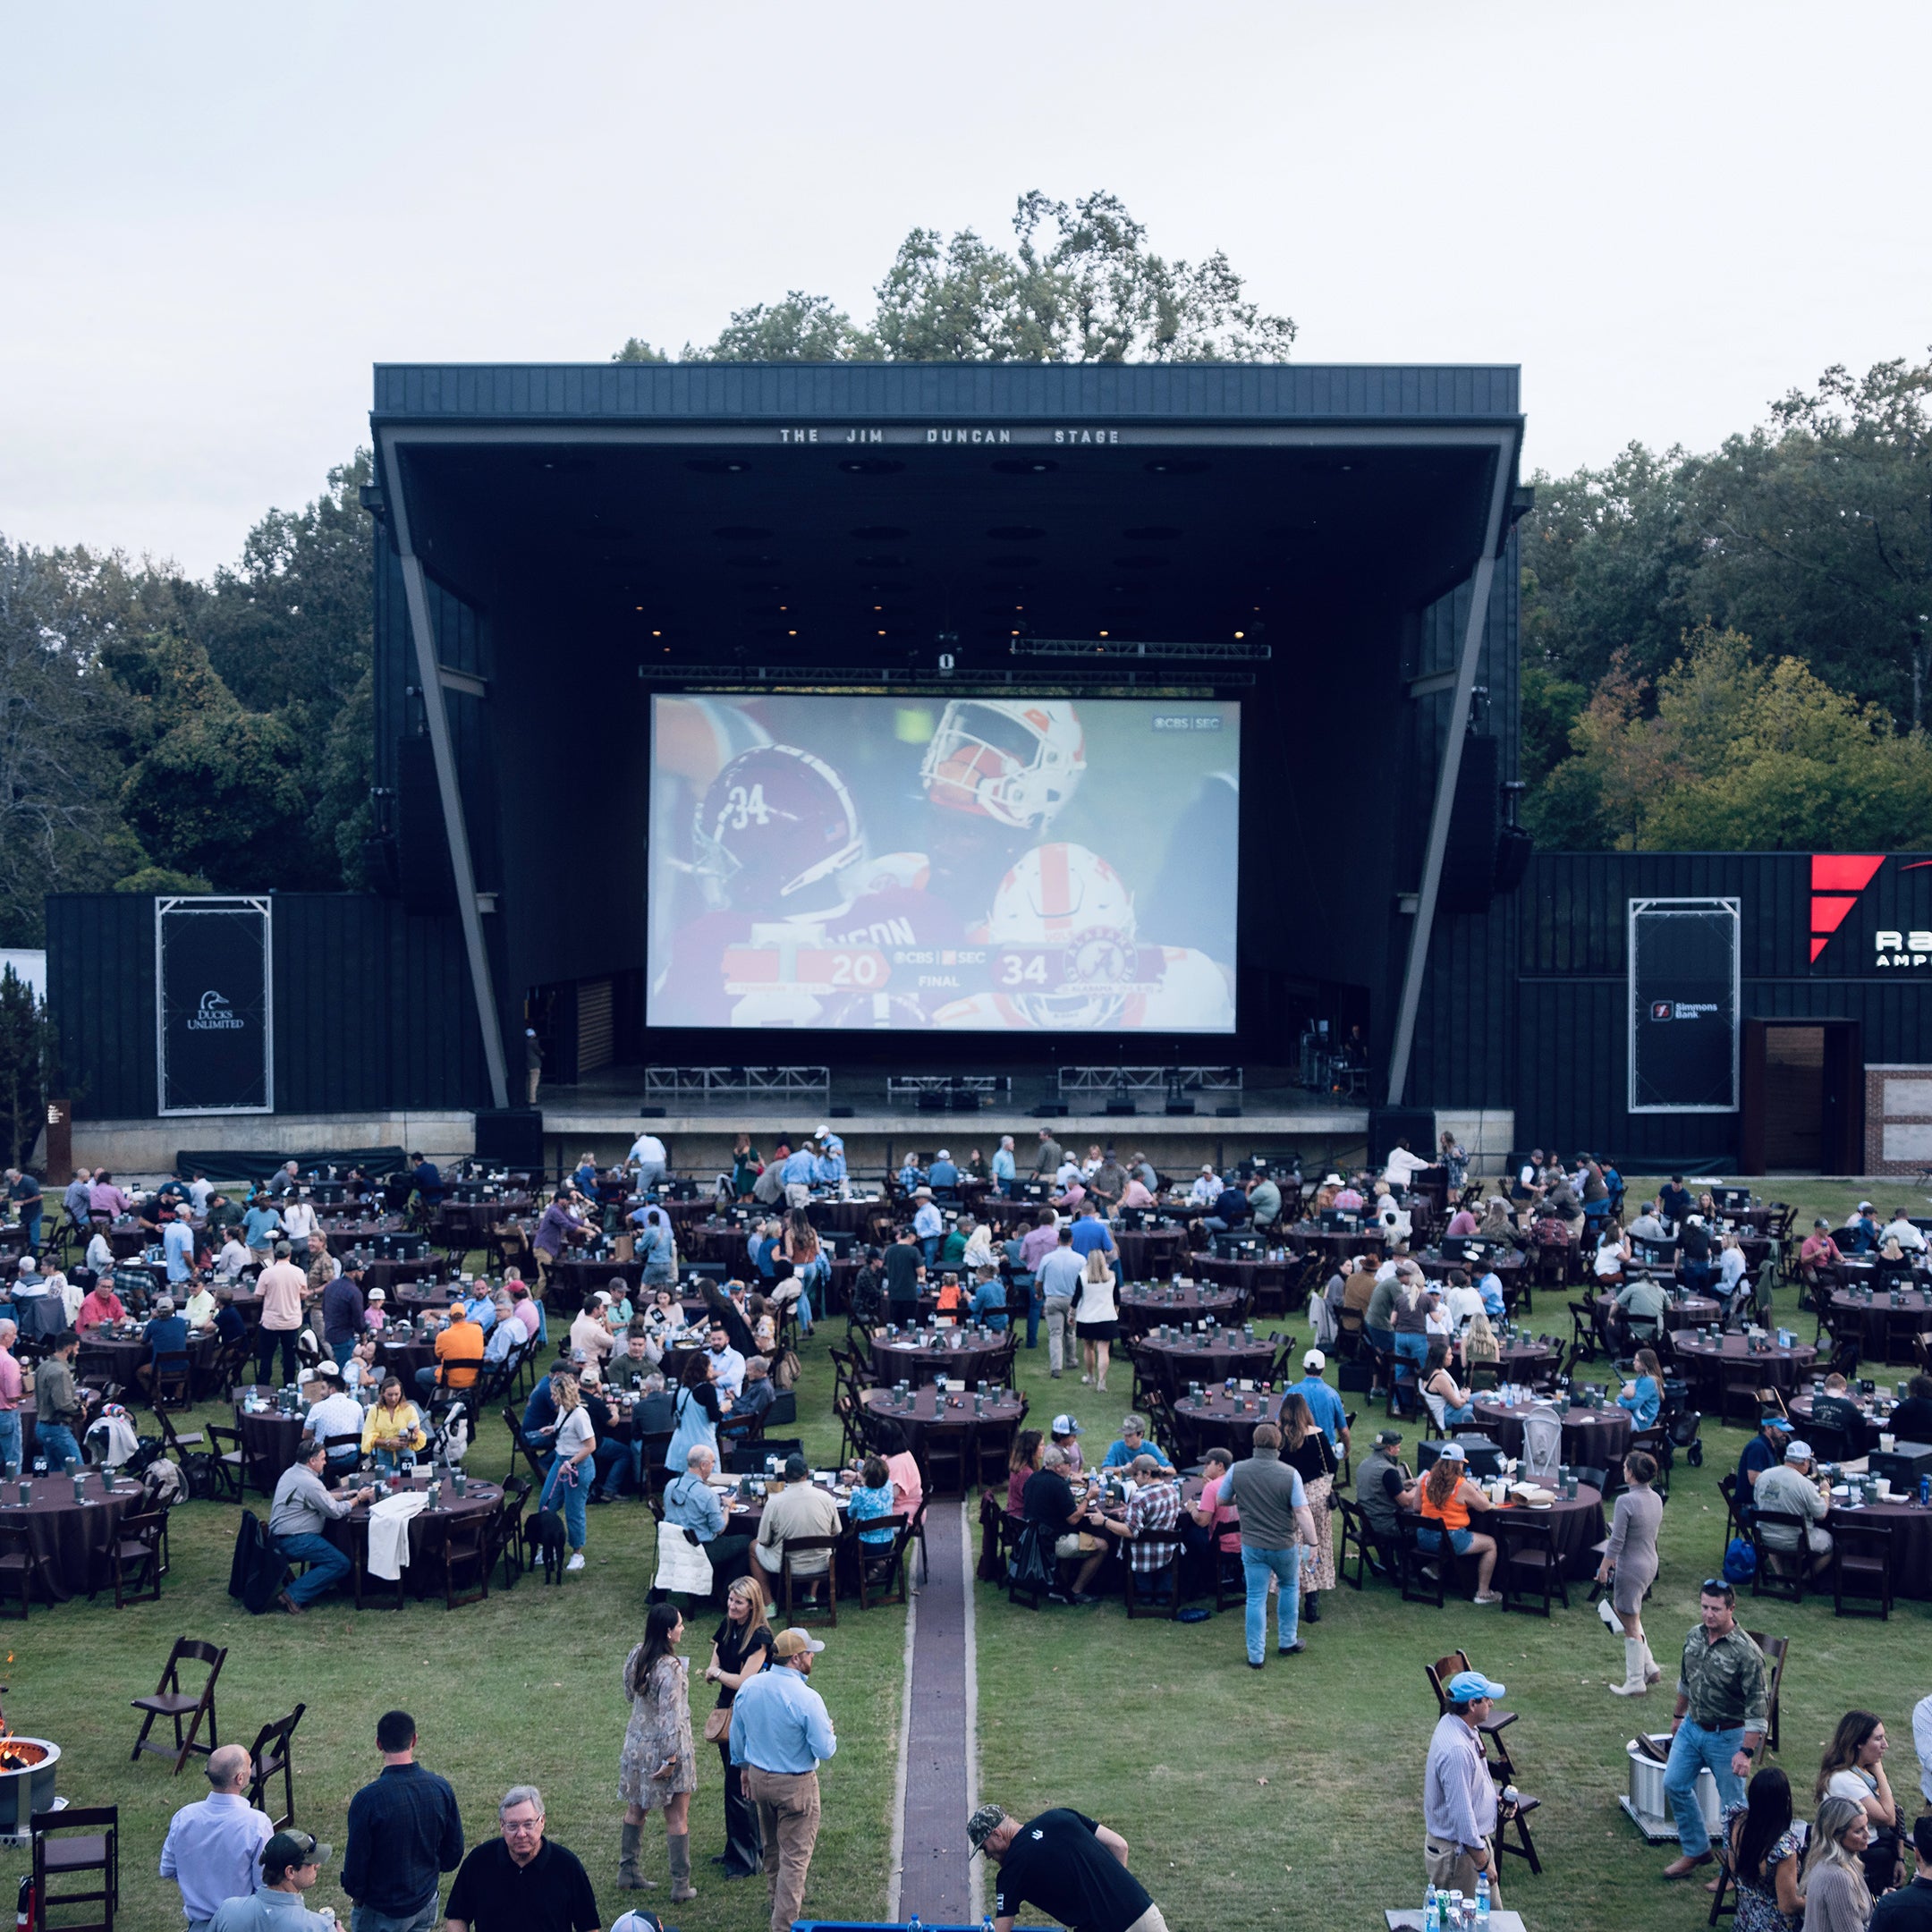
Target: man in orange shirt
x=283 y=1292
x=459 y=1356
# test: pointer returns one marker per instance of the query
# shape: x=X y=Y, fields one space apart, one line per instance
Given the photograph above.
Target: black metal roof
x=1192 y=392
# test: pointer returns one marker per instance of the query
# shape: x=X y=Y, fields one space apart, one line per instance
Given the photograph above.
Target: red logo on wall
x=1837 y=878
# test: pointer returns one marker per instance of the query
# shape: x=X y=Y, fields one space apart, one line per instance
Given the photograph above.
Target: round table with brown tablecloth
x=468 y=1223
x=1150 y=1253
x=423 y=1572
x=1148 y=1305
x=1912 y=1540
x=388 y=1276
x=1681 y=1312
x=1711 y=1364
x=1267 y=1285
x=1867 y=1430
x=1592 y=1438
x=1309 y=1237
x=404 y=1355
x=71 y=1539
x=920 y=1358
x=1214 y=1419
x=121 y=1354
x=1876 y=1340
x=1508 y=1267
x=1526 y=1361
x=1577 y=1524
x=270 y=1438
x=963 y=1426
x=1212 y=1355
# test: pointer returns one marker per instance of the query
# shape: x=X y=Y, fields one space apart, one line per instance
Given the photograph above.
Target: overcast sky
x=217 y=218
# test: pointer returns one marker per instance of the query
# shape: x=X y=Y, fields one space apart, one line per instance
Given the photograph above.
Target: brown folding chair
x=1774 y=1650
x=21 y=1563
x=273 y=1752
x=466 y=1551
x=135 y=1558
x=1529 y=1566
x=886 y=1563
x=795 y=1547
x=170 y=1380
x=56 y=1855
x=1861 y=1566
x=1142 y=1583
x=171 y=1702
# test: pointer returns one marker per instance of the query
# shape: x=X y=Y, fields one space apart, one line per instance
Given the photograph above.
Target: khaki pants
x=787 y=1805
x=1059 y=1314
x=1451 y=1868
x=1150 y=1920
x=531 y=1080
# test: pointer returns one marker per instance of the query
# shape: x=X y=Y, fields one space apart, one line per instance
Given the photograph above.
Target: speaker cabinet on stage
x=1474 y=825
x=510 y=1137
x=1389 y=1124
x=423 y=846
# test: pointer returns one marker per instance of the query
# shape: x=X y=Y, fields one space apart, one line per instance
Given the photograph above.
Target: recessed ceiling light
x=882 y=633
x=1103 y=633
x=654 y=633
x=790 y=633
x=1240 y=633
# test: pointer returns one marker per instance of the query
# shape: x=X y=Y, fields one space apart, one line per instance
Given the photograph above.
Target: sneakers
x=1488 y=1597
x=1291 y=1650
x=576 y=1561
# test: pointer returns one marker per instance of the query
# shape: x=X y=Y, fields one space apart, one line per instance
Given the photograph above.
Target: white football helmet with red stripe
x=1066 y=896
x=1015 y=760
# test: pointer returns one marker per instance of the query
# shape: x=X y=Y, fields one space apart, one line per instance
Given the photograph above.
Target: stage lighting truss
x=1239 y=651
x=1119 y=678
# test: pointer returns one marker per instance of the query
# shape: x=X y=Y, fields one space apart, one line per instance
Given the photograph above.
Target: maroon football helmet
x=776 y=824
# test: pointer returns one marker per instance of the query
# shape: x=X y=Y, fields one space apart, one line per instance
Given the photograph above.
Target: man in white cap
x=1206 y=1189
x=1792 y=1489
x=943 y=1174
x=781 y=1733
x=1324 y=1404
x=1459 y=1796
x=648 y=1158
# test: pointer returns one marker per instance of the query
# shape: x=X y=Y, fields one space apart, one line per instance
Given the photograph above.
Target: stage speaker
x=1124 y=1107
x=931 y=1101
x=512 y=1136
x=1514 y=850
x=1475 y=820
x=1389 y=1124
x=963 y=1101
x=423 y=847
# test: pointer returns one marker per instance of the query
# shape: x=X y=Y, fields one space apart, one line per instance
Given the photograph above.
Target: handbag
x=717 y=1725
x=1030 y=1566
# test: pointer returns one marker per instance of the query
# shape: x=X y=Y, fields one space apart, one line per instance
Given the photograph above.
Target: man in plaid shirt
x=1154 y=1504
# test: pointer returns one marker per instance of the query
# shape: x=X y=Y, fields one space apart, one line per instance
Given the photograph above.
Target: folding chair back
x=171 y=1701
x=881 y=1567
x=272 y=1754
x=795 y=1547
x=72 y=1844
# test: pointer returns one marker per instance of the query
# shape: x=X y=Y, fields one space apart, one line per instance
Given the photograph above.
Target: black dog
x=544 y=1536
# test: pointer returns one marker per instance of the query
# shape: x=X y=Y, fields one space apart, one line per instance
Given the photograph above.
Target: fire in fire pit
x=20 y=1754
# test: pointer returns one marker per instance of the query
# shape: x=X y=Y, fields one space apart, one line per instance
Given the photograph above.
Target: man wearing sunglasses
x=290 y=1863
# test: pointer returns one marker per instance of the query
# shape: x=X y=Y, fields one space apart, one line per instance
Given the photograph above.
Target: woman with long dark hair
x=1765 y=1856
x=1854 y=1767
x=1448 y=1402
x=741 y=1648
x=694 y=1414
x=658 y=1766
x=1306 y=1450
x=1019 y=1470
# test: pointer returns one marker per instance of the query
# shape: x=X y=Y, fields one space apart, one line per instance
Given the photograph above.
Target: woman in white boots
x=1629 y=1567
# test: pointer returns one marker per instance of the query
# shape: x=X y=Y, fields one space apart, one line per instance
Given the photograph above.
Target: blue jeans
x=1454 y=1415
x=10 y=1437
x=1412 y=1349
x=1381 y=1340
x=342 y=1350
x=566 y=1488
x=30 y=1221
x=929 y=1247
x=1036 y=1307
x=55 y=1441
x=1258 y=1565
x=1691 y=1750
x=366 y=1919
x=327 y=1565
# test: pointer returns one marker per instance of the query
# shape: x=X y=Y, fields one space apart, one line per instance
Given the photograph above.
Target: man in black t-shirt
x=1071 y=1869
x=905 y=1267
x=520 y=1882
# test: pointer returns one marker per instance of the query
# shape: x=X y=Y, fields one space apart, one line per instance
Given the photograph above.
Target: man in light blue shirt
x=212 y=1847
x=942 y=1172
x=1131 y=1442
x=177 y=1239
x=780 y=1734
x=829 y=1168
x=930 y=1224
x=260 y=1224
x=1490 y=1288
x=290 y=1864
x=796 y=1176
x=1058 y=1278
x=1330 y=1417
x=989 y=1305
x=1005 y=1171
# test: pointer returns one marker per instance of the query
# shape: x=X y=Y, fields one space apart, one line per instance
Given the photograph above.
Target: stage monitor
x=973 y=864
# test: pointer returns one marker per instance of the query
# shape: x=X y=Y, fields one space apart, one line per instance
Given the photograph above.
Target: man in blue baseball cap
x=1459 y=1798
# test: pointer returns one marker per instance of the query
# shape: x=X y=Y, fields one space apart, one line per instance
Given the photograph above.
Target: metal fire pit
x=25 y=1787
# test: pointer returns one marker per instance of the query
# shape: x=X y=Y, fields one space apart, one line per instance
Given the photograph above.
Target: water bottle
x=986 y=1922
x=914 y=1924
x=1432 y=1911
x=1482 y=1902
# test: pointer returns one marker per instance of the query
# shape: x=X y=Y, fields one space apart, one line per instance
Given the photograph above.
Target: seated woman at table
x=1854 y=1767
x=361 y=1367
x=1026 y=1458
x=1437 y=1323
x=1643 y=1394
x=1447 y=1404
x=872 y=1496
x=1894 y=1265
x=663 y=1323
x=99 y=1306
x=1731 y=1268
x=1495 y=1224
x=393 y=1428
x=1613 y=1251
x=100 y=1256
x=1446 y=1500
x=1765 y=1856
x=1479 y=1343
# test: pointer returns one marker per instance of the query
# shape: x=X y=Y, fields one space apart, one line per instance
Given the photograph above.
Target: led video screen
x=977 y=864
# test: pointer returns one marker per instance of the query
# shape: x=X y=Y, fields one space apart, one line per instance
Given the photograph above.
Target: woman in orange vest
x=1446 y=1497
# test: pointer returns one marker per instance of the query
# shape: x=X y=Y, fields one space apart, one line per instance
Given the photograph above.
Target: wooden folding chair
x=1527 y=1546
x=466 y=1551
x=1774 y=1650
x=886 y=1562
x=171 y=1702
x=1141 y=1584
x=272 y=1754
x=1780 y=1572
x=57 y=1855
x=21 y=1563
x=507 y=1529
x=1861 y=1558
x=134 y=1558
x=796 y=1547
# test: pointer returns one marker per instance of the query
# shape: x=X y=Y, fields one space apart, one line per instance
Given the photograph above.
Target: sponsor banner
x=1683 y=1005
x=213 y=992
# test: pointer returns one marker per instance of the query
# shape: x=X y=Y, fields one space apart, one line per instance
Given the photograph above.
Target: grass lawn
x=525 y=1688
x=1292 y=1797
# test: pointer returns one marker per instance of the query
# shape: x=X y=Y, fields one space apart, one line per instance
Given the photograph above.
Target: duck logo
x=214 y=1014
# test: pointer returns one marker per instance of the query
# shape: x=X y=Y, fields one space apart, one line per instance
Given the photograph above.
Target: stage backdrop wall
x=1820 y=937
x=372 y=1008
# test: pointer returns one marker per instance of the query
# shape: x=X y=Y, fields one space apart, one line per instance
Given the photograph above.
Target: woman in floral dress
x=1764 y=1856
x=659 y=1763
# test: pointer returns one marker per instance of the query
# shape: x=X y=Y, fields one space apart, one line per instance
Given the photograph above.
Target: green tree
x=26 y=1060
x=1080 y=285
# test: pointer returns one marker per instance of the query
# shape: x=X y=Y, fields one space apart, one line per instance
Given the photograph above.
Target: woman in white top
x=1096 y=1317
x=1613 y=1251
x=100 y=1254
x=1854 y=1767
x=299 y=1219
x=568 y=1485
